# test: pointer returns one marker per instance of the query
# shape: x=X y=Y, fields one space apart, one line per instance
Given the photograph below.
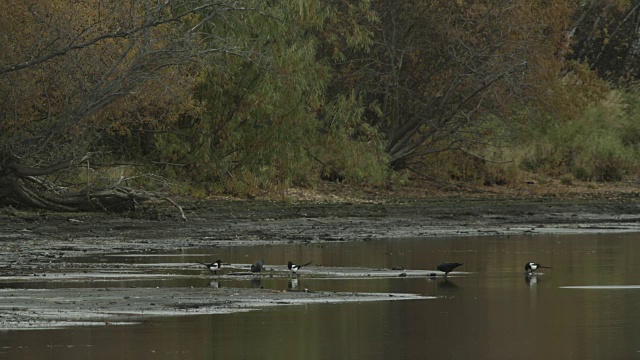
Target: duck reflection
x=215 y=284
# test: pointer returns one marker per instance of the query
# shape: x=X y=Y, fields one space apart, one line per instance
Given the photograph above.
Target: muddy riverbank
x=40 y=308
x=37 y=245
x=33 y=240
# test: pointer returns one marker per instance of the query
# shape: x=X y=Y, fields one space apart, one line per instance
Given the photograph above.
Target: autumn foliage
x=255 y=96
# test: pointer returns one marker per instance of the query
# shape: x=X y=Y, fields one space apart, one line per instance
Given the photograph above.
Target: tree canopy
x=99 y=100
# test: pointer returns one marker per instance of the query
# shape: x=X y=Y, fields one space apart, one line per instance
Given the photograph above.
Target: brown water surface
x=586 y=307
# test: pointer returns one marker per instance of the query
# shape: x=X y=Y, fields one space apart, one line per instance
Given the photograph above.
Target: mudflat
x=35 y=246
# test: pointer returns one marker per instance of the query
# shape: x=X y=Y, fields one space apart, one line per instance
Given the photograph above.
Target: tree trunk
x=21 y=186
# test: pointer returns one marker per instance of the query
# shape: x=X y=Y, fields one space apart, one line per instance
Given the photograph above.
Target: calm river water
x=586 y=307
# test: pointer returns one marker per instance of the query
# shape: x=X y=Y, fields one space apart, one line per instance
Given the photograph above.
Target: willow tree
x=437 y=69
x=266 y=121
x=74 y=73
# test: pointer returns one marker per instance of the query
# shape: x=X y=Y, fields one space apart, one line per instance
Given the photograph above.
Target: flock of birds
x=255 y=267
x=446 y=267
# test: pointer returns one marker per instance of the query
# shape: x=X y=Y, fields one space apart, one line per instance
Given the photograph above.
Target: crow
x=448 y=267
x=257 y=267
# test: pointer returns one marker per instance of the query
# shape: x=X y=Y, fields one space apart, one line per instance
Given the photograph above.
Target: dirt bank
x=30 y=239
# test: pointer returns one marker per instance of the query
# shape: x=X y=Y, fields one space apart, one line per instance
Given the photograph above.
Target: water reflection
x=293 y=284
x=446 y=283
x=531 y=279
x=586 y=307
x=256 y=283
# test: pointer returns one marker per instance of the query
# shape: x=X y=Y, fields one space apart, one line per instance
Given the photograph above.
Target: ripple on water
x=602 y=287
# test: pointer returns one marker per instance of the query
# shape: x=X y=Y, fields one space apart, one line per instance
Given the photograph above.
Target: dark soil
x=33 y=240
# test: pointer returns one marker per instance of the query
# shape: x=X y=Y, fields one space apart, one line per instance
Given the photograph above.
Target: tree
x=72 y=73
x=606 y=35
x=437 y=69
x=267 y=122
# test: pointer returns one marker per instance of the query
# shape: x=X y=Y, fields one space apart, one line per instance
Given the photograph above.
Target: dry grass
x=419 y=190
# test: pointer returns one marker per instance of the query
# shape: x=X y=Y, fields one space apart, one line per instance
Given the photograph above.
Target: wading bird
x=214 y=266
x=531 y=267
x=294 y=268
x=257 y=267
x=448 y=267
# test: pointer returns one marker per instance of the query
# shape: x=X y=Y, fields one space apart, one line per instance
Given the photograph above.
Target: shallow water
x=586 y=307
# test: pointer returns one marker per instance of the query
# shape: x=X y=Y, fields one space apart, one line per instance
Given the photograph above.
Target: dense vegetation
x=105 y=103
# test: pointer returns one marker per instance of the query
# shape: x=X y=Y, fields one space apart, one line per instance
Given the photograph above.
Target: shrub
x=602 y=145
x=567 y=179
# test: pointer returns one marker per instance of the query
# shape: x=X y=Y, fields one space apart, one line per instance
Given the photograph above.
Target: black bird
x=294 y=268
x=214 y=266
x=257 y=267
x=448 y=267
x=531 y=267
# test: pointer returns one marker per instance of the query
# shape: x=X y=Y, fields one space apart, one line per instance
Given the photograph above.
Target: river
x=584 y=307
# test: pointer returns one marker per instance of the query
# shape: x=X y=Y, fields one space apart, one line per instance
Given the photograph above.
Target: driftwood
x=22 y=186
